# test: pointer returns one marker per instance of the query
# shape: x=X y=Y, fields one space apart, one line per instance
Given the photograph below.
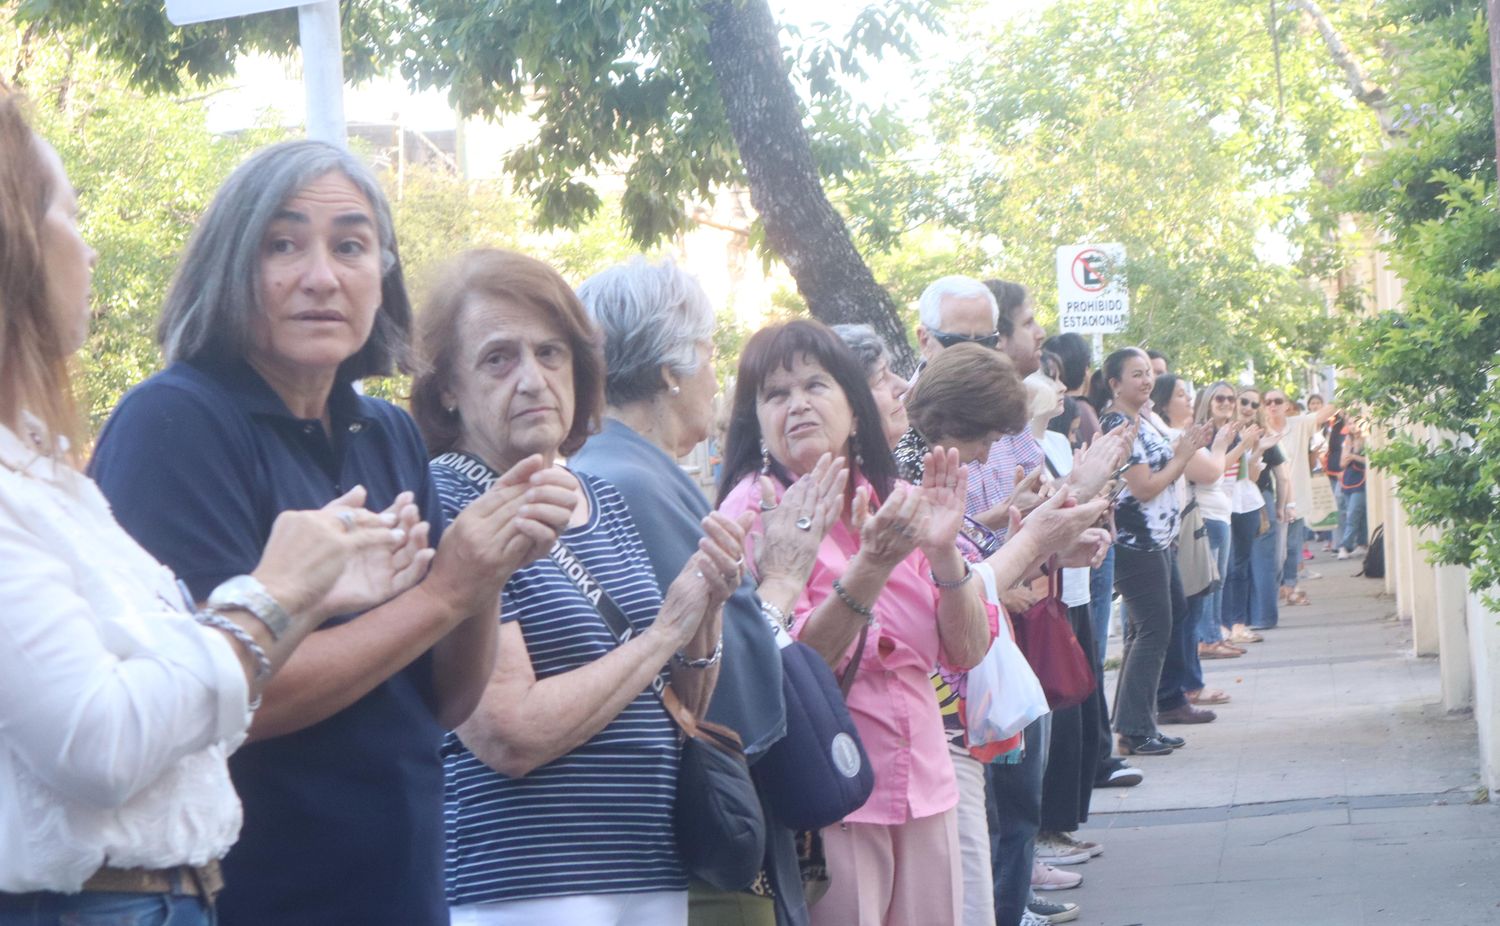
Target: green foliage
x=1157 y=125
x=1428 y=372
x=611 y=84
x=145 y=167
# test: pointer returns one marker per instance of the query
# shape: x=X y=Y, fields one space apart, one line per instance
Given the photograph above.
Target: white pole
x=1098 y=348
x=323 y=70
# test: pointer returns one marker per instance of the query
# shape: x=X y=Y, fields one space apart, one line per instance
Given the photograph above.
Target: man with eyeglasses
x=953 y=310
x=999 y=314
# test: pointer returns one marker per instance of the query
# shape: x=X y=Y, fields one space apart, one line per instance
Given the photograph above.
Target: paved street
x=1333 y=790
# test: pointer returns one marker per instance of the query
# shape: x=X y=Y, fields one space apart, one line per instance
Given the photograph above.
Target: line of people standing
x=393 y=687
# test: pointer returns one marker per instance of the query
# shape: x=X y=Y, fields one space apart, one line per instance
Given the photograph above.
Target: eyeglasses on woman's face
x=948 y=338
x=1223 y=398
x=1275 y=400
x=1246 y=403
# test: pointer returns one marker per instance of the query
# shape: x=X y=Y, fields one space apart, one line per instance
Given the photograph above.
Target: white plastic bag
x=1004 y=696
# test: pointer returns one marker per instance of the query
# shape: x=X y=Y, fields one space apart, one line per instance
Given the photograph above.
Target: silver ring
x=739 y=563
x=346 y=518
x=804 y=523
x=765 y=507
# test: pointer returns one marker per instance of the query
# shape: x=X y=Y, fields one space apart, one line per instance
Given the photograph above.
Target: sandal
x=1214 y=651
x=1245 y=635
x=1206 y=696
x=1297 y=596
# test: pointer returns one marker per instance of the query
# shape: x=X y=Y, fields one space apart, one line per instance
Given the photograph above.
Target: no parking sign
x=1091 y=288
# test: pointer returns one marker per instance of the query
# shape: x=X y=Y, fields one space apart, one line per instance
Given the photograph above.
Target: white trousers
x=659 y=908
x=974 y=840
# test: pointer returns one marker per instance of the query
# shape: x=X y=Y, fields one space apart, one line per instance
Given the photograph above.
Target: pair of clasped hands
x=344 y=558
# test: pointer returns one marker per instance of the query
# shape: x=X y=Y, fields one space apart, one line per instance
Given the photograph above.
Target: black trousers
x=1073 y=756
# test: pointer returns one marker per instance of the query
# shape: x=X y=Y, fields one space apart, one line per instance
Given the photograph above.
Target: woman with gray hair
x=659 y=392
x=888 y=388
x=290 y=290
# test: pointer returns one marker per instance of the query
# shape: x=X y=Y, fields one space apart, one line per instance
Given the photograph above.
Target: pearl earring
x=674 y=390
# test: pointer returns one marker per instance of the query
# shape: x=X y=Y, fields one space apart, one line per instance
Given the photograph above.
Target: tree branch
x=1363 y=89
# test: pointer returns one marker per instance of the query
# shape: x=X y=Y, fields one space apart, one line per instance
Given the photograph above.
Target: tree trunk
x=802 y=227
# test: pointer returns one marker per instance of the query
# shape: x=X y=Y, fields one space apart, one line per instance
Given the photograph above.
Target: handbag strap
x=482 y=475
x=846 y=680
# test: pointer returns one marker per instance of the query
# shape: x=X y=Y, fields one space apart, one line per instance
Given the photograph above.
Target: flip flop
x=1205 y=696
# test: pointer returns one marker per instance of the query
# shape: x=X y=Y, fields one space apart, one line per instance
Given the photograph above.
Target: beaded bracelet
x=865 y=611
x=956 y=583
x=702 y=663
x=262 y=662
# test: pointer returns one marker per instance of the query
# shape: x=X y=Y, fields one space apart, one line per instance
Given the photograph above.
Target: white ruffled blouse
x=117 y=709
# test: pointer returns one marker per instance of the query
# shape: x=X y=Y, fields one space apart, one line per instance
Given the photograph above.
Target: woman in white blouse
x=119 y=700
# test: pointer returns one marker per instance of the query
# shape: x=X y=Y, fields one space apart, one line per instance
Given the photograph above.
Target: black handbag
x=819 y=772
x=721 y=831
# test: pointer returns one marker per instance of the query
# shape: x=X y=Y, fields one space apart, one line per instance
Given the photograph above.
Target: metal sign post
x=322 y=53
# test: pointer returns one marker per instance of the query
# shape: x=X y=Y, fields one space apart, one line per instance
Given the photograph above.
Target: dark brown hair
x=33 y=356
x=781 y=346
x=515 y=278
x=966 y=392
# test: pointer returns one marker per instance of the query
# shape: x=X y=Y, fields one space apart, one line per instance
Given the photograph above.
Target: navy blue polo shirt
x=343 y=819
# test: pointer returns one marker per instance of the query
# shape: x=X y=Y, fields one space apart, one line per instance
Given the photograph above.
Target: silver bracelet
x=262 y=662
x=702 y=663
x=776 y=615
x=956 y=583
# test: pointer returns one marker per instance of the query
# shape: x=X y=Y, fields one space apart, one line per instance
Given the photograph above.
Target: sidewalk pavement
x=1333 y=790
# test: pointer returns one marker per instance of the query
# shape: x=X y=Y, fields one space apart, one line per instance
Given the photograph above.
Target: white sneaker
x=1084 y=845
x=1343 y=553
x=1031 y=919
x=1053 y=849
x=1047 y=878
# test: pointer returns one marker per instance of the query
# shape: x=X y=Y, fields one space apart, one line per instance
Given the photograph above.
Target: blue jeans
x=1354 y=519
x=1207 y=608
x=1296 y=536
x=1265 y=573
x=1340 y=504
x=1014 y=804
x=1101 y=590
x=100 y=908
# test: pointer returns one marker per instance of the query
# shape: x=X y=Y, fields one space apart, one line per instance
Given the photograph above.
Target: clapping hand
x=1193 y=439
x=1224 y=439
x=343 y=557
x=793 y=528
x=706 y=580
x=888 y=536
x=945 y=487
x=1024 y=496
x=1095 y=464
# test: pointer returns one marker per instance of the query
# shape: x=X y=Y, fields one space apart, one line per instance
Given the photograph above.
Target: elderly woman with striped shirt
x=560 y=787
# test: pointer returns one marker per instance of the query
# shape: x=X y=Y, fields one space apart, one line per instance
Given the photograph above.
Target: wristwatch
x=246 y=593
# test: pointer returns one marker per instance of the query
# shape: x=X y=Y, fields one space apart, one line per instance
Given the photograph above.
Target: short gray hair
x=929 y=307
x=651 y=315
x=215 y=294
x=868 y=346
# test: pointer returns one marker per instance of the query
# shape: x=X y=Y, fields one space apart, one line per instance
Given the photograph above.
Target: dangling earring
x=859 y=459
x=765 y=459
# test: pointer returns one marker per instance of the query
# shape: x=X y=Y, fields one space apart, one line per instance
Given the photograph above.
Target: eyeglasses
x=948 y=338
x=1223 y=397
x=1246 y=403
x=1275 y=401
x=984 y=540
